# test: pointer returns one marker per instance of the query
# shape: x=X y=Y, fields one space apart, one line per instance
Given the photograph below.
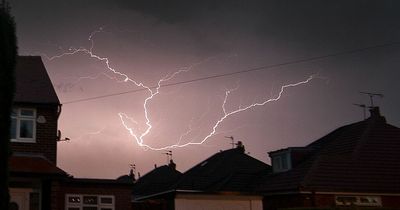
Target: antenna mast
x=169 y=155
x=371 y=96
x=132 y=171
x=232 y=141
x=133 y=167
x=364 y=107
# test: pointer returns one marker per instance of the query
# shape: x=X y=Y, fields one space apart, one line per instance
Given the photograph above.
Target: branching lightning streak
x=225 y=116
x=154 y=91
x=139 y=139
x=68 y=86
x=188 y=131
x=126 y=78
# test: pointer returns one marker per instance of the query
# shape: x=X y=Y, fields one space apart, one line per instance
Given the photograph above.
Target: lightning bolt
x=139 y=138
x=190 y=125
x=226 y=114
x=125 y=78
x=70 y=85
x=154 y=91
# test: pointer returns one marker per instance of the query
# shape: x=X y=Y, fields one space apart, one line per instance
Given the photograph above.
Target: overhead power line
x=260 y=68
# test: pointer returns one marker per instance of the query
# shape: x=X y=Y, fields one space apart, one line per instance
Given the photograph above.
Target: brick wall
x=324 y=200
x=46 y=134
x=121 y=192
x=391 y=201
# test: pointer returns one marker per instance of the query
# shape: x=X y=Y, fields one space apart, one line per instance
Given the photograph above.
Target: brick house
x=355 y=165
x=35 y=180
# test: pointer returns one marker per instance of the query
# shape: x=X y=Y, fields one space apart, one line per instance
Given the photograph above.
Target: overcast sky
x=149 y=39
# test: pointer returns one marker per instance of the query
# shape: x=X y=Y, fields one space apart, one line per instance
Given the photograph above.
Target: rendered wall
x=214 y=202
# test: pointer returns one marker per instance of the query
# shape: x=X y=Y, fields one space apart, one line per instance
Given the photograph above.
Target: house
x=35 y=180
x=354 y=165
x=33 y=164
x=224 y=181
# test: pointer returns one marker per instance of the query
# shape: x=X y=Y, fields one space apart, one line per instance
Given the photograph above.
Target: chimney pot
x=240 y=146
x=375 y=112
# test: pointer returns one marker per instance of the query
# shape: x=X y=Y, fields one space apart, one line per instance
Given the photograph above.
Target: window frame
x=19 y=117
x=79 y=205
x=358 y=200
x=281 y=162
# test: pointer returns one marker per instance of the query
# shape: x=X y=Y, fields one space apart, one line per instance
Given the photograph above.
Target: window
x=23 y=125
x=349 y=200
x=276 y=163
x=106 y=200
x=281 y=162
x=74 y=199
x=89 y=202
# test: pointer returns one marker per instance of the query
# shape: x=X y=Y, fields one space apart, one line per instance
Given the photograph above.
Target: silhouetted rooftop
x=33 y=84
x=360 y=157
x=34 y=165
x=229 y=170
x=158 y=180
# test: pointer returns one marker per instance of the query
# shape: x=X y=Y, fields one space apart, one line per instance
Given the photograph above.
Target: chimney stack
x=132 y=175
x=240 y=146
x=376 y=114
x=172 y=164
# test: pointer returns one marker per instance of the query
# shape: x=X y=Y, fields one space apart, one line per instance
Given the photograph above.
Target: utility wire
x=266 y=67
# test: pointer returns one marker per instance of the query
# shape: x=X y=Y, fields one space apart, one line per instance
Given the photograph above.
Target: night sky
x=149 y=39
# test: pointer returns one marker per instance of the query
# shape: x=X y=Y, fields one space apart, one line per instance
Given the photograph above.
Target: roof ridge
x=370 y=125
x=339 y=129
x=323 y=148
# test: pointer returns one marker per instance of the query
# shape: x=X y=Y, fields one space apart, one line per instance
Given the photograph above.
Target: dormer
x=285 y=159
x=280 y=160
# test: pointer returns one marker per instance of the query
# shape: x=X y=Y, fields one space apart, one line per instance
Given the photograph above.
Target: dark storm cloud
x=223 y=25
x=149 y=38
x=330 y=22
x=179 y=10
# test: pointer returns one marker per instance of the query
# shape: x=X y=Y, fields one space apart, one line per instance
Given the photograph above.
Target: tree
x=8 y=56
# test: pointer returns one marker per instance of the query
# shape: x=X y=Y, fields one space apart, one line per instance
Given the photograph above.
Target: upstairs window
x=281 y=162
x=23 y=125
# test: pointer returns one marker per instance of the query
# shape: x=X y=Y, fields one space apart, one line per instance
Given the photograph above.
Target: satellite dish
x=41 y=119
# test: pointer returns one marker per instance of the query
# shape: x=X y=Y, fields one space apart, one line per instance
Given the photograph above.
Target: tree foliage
x=8 y=56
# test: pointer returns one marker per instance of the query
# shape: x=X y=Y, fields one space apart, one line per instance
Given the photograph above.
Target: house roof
x=158 y=180
x=33 y=165
x=230 y=170
x=33 y=84
x=360 y=157
x=126 y=179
